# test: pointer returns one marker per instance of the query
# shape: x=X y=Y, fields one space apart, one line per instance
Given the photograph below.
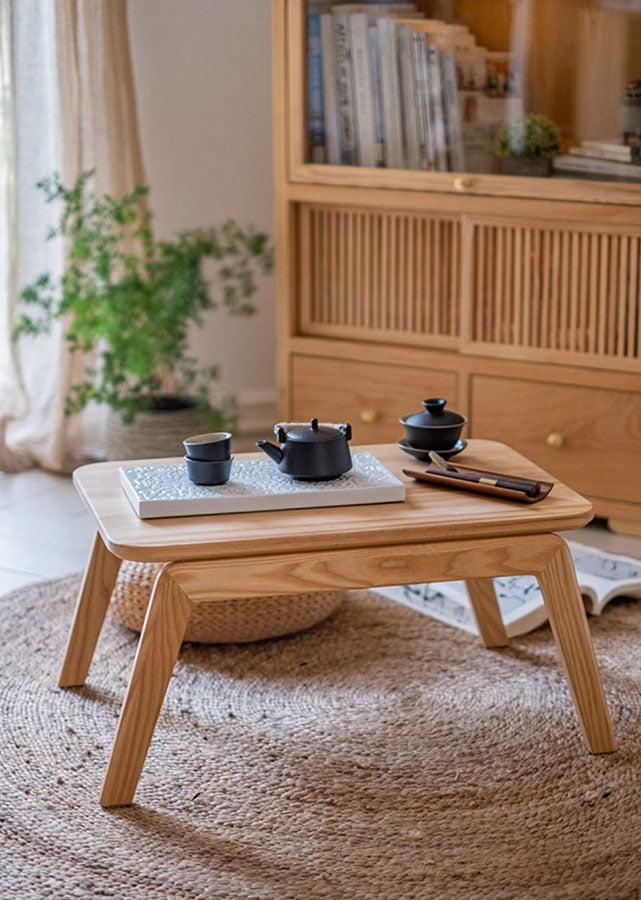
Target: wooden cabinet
x=519 y=297
x=586 y=436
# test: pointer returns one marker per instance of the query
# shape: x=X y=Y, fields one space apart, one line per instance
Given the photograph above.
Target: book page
x=607 y=574
x=601 y=576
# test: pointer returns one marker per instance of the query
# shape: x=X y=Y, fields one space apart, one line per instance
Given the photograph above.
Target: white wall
x=203 y=81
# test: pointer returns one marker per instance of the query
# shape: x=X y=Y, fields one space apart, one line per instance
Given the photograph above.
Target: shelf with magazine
x=416 y=94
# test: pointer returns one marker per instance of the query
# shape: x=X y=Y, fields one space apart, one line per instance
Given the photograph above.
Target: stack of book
x=388 y=87
x=611 y=160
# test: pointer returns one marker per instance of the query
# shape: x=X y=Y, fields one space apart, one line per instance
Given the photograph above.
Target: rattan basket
x=223 y=621
x=152 y=434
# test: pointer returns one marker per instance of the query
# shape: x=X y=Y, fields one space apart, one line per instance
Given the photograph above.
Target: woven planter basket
x=223 y=621
x=152 y=434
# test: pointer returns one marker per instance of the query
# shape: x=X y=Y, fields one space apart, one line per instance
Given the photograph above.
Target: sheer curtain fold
x=74 y=57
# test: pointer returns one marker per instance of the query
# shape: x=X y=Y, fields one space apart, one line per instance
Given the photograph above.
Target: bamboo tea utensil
x=482 y=483
x=526 y=485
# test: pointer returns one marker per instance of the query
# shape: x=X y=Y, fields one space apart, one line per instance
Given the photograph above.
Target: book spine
x=629 y=152
x=375 y=68
x=426 y=91
x=420 y=100
x=315 y=117
x=436 y=103
x=362 y=80
x=332 y=140
x=391 y=95
x=454 y=132
x=603 y=153
x=409 y=116
x=344 y=90
x=596 y=167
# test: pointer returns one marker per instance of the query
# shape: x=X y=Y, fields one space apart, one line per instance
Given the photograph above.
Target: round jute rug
x=380 y=755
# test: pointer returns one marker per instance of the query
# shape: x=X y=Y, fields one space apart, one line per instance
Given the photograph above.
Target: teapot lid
x=313 y=433
x=435 y=415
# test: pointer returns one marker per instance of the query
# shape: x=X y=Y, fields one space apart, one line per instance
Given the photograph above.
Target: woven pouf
x=223 y=621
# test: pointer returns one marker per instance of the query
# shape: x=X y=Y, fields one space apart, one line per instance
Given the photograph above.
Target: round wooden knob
x=554 y=439
x=368 y=416
x=463 y=183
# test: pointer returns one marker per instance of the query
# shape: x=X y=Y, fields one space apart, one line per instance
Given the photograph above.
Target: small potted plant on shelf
x=127 y=301
x=527 y=145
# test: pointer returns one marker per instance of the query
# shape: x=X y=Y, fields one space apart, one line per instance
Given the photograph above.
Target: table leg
x=89 y=616
x=574 y=642
x=487 y=612
x=160 y=640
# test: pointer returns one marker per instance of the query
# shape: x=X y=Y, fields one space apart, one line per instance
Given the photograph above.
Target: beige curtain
x=97 y=127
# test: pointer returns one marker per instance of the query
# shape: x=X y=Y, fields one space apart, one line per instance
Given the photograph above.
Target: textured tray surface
x=165 y=490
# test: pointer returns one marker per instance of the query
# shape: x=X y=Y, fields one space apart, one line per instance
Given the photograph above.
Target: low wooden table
x=435 y=535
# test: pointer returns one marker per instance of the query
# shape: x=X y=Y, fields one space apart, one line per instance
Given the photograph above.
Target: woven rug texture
x=378 y=756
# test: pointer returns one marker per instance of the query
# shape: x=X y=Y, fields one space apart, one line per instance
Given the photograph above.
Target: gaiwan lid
x=435 y=415
x=312 y=433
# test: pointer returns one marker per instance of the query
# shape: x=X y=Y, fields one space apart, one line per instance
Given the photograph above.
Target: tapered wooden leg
x=574 y=642
x=486 y=612
x=89 y=616
x=160 y=640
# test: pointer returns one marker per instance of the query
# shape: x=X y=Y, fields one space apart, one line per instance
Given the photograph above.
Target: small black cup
x=215 y=446
x=202 y=471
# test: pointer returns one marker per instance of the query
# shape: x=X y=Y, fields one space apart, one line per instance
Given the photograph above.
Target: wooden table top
x=427 y=514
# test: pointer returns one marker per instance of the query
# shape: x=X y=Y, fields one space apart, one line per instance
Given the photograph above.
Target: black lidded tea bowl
x=435 y=428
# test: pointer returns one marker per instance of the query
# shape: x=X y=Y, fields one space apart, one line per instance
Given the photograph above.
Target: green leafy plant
x=132 y=298
x=529 y=135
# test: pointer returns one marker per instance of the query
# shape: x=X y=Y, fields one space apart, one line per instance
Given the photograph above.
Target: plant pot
x=156 y=433
x=531 y=166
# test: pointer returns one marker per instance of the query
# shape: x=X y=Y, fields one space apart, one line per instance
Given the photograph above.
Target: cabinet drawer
x=588 y=437
x=371 y=396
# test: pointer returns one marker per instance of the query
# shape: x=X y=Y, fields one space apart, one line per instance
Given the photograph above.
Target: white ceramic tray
x=159 y=490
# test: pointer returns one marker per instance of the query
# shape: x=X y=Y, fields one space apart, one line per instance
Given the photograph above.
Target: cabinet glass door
x=531 y=88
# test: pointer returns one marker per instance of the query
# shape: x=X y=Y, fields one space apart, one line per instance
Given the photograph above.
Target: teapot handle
x=281 y=434
x=347 y=430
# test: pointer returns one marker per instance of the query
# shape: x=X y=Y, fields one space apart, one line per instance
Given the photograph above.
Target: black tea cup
x=212 y=447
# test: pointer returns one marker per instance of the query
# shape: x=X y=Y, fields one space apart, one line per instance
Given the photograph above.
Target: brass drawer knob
x=369 y=416
x=554 y=439
x=463 y=183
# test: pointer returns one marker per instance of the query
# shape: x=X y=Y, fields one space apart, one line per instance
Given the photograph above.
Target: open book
x=601 y=577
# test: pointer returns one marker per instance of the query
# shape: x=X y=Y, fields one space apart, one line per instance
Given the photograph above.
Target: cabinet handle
x=369 y=416
x=554 y=439
x=463 y=183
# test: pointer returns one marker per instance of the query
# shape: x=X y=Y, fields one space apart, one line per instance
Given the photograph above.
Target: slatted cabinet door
x=379 y=275
x=564 y=293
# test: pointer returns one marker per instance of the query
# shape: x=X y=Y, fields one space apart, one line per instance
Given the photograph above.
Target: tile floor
x=46 y=532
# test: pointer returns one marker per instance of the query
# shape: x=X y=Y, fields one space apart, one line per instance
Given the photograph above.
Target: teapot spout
x=271 y=450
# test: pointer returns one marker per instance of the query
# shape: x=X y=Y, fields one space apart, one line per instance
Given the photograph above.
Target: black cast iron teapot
x=311 y=452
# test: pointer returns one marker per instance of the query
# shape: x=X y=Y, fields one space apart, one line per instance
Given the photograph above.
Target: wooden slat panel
x=382 y=273
x=622 y=296
x=557 y=289
x=591 y=335
x=634 y=306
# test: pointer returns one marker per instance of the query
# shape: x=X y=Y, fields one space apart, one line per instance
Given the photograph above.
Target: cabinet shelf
x=475 y=184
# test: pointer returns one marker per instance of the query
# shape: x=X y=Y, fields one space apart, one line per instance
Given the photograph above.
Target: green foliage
x=530 y=135
x=132 y=298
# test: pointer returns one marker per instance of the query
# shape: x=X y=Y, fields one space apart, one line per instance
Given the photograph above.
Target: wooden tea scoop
x=526 y=485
